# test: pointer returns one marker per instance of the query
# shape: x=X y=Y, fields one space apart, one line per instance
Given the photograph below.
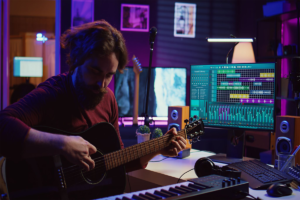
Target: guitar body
x=40 y=178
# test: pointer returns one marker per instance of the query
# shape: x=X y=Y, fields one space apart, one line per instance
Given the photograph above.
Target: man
x=73 y=102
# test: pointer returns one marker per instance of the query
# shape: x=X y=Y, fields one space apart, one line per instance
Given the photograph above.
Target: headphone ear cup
x=204 y=167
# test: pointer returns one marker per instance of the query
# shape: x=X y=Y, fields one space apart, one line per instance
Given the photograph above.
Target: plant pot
x=142 y=137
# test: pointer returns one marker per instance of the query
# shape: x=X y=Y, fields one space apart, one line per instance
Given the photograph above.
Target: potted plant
x=143 y=133
x=157 y=133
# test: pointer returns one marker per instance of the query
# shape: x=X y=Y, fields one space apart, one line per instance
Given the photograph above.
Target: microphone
x=153 y=32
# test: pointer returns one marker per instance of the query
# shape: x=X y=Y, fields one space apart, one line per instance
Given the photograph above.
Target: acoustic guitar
x=53 y=177
x=137 y=70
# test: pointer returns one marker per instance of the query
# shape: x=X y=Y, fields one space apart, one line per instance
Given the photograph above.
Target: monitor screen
x=28 y=67
x=167 y=88
x=238 y=96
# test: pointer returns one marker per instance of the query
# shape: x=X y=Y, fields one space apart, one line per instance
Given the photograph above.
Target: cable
x=183 y=174
x=250 y=195
x=159 y=160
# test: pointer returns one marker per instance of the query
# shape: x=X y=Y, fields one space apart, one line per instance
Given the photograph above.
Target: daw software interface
x=234 y=95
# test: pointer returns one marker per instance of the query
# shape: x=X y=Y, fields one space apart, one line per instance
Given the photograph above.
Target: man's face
x=92 y=78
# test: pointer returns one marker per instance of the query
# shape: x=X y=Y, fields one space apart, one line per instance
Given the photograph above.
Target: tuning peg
x=186 y=121
x=190 y=136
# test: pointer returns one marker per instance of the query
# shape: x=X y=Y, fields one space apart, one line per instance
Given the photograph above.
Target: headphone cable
x=183 y=174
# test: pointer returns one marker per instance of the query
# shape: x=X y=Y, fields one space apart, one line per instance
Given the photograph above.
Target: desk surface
x=176 y=167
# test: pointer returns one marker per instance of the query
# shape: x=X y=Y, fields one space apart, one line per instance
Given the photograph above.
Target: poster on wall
x=82 y=12
x=134 y=17
x=185 y=20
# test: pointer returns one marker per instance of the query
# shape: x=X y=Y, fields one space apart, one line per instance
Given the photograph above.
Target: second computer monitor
x=234 y=96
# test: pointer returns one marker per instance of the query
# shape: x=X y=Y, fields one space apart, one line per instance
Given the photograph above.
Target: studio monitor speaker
x=289 y=127
x=176 y=117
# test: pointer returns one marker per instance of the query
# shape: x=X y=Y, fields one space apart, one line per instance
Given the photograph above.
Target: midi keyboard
x=207 y=187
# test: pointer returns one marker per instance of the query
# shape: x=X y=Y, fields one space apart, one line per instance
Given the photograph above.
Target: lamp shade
x=243 y=53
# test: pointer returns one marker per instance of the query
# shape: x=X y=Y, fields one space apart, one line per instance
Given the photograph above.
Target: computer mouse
x=279 y=190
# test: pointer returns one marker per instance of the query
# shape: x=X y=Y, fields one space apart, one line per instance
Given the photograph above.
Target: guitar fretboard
x=131 y=153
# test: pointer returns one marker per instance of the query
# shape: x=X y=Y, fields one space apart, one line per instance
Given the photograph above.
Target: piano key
x=153 y=195
x=193 y=189
x=168 y=192
x=147 y=196
x=162 y=194
x=118 y=199
x=195 y=186
x=201 y=187
x=205 y=186
x=125 y=198
x=138 y=197
x=185 y=189
x=179 y=191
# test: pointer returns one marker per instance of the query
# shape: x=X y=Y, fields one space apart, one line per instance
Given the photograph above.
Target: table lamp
x=243 y=50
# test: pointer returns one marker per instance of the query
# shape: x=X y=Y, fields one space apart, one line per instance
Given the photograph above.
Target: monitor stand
x=235 y=148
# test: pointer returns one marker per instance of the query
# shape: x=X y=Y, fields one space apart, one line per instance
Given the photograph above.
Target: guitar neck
x=131 y=153
x=136 y=98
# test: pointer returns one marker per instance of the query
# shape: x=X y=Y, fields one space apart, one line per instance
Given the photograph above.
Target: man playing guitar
x=73 y=102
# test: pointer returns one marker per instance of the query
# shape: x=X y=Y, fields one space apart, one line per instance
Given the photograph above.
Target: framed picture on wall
x=185 y=20
x=134 y=17
x=82 y=12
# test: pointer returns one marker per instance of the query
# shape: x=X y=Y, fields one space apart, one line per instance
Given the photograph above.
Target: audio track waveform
x=241 y=114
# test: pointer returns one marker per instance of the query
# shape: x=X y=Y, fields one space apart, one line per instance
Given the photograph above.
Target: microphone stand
x=147 y=121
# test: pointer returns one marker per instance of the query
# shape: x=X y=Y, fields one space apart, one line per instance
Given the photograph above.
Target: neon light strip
x=229 y=40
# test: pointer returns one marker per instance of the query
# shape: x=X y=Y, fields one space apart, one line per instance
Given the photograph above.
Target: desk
x=176 y=167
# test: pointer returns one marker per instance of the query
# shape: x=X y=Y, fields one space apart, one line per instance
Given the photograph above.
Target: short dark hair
x=94 y=38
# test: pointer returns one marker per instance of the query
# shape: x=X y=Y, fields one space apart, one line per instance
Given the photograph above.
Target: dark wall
x=214 y=18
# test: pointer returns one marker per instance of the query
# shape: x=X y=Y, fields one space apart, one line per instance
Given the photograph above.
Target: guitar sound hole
x=95 y=175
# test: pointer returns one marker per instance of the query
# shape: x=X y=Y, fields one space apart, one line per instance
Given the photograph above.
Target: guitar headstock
x=137 y=67
x=194 y=129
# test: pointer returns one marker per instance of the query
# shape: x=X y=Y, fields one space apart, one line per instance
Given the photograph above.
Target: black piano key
x=118 y=199
x=138 y=197
x=163 y=194
x=179 y=191
x=168 y=192
x=147 y=197
x=193 y=189
x=205 y=186
x=185 y=189
x=153 y=195
x=125 y=198
x=195 y=186
x=200 y=186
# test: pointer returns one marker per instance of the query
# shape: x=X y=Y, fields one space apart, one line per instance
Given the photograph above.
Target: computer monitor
x=167 y=88
x=236 y=97
x=28 y=66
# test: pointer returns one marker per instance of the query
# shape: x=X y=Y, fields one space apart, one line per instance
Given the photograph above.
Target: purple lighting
x=287 y=38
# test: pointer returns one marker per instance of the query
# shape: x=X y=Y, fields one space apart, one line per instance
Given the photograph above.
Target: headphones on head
x=205 y=167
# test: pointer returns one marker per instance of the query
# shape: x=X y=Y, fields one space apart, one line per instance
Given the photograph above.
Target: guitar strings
x=130 y=148
x=99 y=161
x=69 y=177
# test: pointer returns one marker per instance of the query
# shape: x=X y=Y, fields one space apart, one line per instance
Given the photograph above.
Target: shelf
x=277 y=57
x=281 y=17
x=285 y=98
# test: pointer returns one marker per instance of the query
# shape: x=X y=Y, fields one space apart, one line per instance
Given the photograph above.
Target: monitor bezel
x=27 y=76
x=186 y=83
x=237 y=128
